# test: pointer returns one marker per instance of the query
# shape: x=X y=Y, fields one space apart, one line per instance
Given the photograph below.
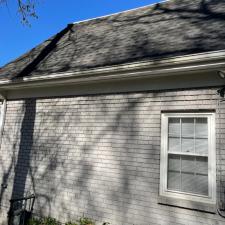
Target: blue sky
x=17 y=38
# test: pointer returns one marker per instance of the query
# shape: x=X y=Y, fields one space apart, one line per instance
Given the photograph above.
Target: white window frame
x=2 y=119
x=164 y=192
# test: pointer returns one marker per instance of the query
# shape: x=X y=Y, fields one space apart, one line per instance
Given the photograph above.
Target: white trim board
x=135 y=85
x=164 y=190
x=183 y=65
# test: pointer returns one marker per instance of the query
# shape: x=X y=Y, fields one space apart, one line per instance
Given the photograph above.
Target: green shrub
x=34 y=221
x=50 y=221
x=71 y=223
x=86 y=221
x=43 y=221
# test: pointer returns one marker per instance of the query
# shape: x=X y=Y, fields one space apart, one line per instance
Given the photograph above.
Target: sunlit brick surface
x=99 y=156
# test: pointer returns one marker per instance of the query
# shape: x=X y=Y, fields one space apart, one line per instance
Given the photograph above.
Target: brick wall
x=99 y=156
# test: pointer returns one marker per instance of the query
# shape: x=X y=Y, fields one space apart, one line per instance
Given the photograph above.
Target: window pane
x=196 y=184
x=201 y=127
x=188 y=145
x=186 y=172
x=202 y=184
x=194 y=175
x=173 y=163
x=188 y=182
x=187 y=127
x=174 y=127
x=174 y=144
x=202 y=165
x=173 y=172
x=201 y=146
x=174 y=181
x=188 y=164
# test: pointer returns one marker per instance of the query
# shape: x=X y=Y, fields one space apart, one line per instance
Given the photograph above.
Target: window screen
x=188 y=155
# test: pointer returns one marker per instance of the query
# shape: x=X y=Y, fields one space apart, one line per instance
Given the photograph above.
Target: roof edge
x=209 y=61
x=117 y=13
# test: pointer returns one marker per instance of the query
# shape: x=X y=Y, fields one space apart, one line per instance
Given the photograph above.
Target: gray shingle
x=173 y=28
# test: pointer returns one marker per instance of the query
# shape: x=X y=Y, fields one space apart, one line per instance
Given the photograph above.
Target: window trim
x=2 y=119
x=163 y=191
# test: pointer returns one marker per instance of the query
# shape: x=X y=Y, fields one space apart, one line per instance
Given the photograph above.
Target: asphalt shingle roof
x=172 y=28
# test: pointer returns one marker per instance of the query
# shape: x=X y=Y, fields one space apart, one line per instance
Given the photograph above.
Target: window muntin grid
x=188 y=155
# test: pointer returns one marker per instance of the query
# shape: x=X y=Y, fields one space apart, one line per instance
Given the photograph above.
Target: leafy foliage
x=43 y=221
x=86 y=221
x=34 y=221
x=52 y=221
x=71 y=223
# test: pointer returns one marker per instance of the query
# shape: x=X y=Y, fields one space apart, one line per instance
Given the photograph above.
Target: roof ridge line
x=112 y=14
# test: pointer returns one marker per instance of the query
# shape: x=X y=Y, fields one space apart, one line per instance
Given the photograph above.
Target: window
x=187 y=169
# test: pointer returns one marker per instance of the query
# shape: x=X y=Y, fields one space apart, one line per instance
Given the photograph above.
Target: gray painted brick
x=99 y=155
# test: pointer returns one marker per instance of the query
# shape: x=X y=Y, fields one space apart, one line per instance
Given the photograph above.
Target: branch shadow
x=168 y=29
x=35 y=147
x=24 y=154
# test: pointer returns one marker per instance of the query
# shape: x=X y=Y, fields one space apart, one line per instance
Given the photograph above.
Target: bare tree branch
x=26 y=9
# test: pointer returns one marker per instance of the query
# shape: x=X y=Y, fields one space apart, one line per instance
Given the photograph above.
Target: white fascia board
x=153 y=68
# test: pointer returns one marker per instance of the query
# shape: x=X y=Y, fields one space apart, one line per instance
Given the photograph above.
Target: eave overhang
x=180 y=66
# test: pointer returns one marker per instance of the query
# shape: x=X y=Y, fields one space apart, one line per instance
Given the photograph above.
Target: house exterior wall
x=99 y=156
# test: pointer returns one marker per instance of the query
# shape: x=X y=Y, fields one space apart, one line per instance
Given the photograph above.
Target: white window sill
x=201 y=206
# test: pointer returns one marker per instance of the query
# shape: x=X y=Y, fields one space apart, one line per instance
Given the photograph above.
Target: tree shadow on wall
x=19 y=162
x=22 y=164
x=158 y=32
x=24 y=153
x=17 y=166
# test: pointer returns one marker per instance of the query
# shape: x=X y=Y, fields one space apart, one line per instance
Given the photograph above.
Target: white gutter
x=182 y=65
